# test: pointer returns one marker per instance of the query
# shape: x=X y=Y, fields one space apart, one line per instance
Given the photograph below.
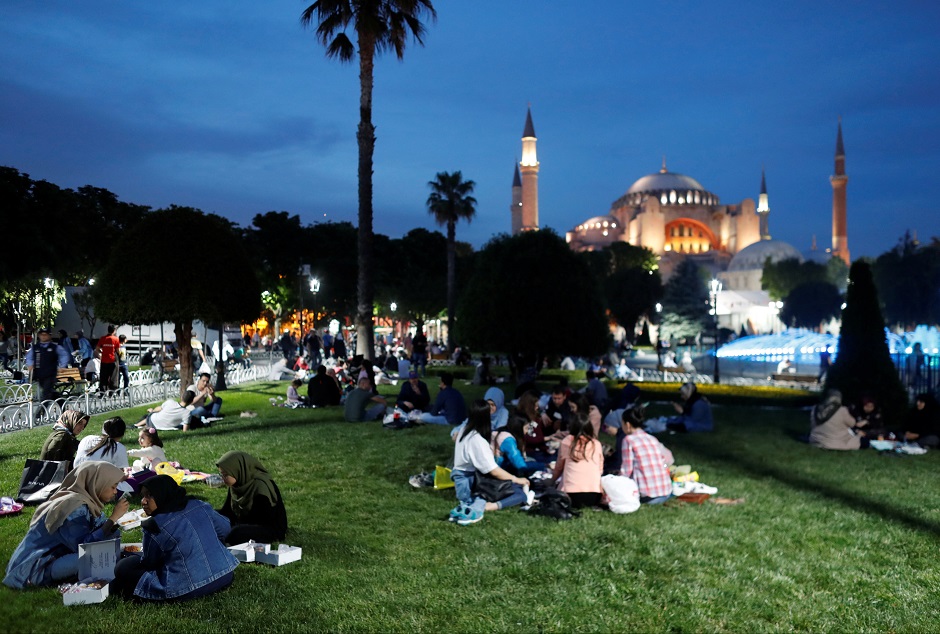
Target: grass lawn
x=825 y=541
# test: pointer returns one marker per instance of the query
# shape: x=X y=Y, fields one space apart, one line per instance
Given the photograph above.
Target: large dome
x=664 y=181
x=753 y=256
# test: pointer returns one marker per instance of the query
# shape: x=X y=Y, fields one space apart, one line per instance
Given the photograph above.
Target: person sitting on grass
x=509 y=448
x=579 y=404
x=499 y=415
x=580 y=463
x=473 y=456
x=151 y=451
x=414 y=394
x=323 y=390
x=63 y=442
x=363 y=404
x=254 y=503
x=207 y=407
x=642 y=459
x=449 y=407
x=107 y=446
x=922 y=424
x=48 y=554
x=294 y=399
x=833 y=427
x=183 y=555
x=695 y=414
x=170 y=415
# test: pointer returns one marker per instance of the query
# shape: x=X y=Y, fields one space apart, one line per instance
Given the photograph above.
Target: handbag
x=491 y=489
x=40 y=480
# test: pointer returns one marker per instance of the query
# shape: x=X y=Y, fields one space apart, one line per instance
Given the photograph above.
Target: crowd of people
x=841 y=426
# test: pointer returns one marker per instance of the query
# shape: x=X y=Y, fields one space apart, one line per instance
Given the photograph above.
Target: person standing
x=122 y=363
x=43 y=360
x=5 y=352
x=312 y=345
x=107 y=351
x=66 y=343
x=85 y=349
x=419 y=350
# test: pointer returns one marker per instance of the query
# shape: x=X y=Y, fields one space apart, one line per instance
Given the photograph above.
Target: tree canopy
x=810 y=304
x=530 y=294
x=685 y=303
x=908 y=281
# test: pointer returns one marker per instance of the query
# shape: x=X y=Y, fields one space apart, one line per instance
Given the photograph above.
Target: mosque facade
x=676 y=218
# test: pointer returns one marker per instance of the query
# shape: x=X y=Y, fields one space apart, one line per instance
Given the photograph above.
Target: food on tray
x=132 y=548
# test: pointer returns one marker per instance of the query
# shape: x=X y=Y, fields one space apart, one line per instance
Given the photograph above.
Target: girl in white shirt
x=106 y=447
x=150 y=453
x=473 y=456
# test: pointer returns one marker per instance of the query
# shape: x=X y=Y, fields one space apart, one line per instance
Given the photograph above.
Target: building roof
x=665 y=181
x=753 y=256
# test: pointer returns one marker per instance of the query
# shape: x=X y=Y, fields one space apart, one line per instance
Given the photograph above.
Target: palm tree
x=379 y=25
x=450 y=200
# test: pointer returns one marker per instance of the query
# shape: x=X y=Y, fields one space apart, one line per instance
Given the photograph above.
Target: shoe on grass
x=469 y=516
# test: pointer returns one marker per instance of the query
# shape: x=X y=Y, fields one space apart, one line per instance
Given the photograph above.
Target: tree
x=863 y=365
x=450 y=201
x=167 y=285
x=810 y=304
x=531 y=296
x=908 y=281
x=685 y=303
x=632 y=293
x=780 y=278
x=379 y=25
x=419 y=283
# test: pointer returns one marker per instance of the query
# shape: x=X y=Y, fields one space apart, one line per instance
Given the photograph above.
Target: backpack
x=556 y=505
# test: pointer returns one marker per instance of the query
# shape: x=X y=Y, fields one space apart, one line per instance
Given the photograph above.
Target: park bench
x=795 y=378
x=68 y=380
x=169 y=367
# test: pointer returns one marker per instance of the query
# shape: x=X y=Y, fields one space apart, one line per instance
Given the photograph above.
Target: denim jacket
x=32 y=559
x=183 y=551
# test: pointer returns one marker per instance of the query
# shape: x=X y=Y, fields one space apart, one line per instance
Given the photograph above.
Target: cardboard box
x=283 y=555
x=96 y=560
x=244 y=553
x=84 y=593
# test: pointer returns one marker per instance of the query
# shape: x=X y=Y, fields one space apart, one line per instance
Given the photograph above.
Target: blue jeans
x=375 y=412
x=434 y=420
x=420 y=362
x=209 y=412
x=652 y=501
x=463 y=486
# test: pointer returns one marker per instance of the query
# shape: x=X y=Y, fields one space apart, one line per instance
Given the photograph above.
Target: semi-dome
x=753 y=256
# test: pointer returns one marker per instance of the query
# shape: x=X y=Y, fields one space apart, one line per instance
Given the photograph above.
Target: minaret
x=529 y=165
x=515 y=209
x=840 y=238
x=763 y=207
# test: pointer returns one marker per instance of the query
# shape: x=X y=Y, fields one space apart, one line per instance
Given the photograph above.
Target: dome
x=753 y=256
x=665 y=181
x=597 y=232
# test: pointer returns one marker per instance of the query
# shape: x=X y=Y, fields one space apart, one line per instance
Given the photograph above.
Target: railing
x=27 y=413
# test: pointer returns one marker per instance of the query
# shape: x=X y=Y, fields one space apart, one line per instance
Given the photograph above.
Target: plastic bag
x=623 y=493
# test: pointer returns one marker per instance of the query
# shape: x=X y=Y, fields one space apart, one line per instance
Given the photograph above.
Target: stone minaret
x=529 y=166
x=763 y=208
x=515 y=209
x=840 y=237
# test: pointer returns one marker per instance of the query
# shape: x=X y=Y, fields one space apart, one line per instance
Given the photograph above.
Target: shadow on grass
x=755 y=466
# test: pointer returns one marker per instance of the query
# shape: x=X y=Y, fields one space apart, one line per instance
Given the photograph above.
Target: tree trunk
x=184 y=337
x=366 y=138
x=451 y=281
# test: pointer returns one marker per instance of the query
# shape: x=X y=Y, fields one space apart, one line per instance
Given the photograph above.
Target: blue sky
x=233 y=108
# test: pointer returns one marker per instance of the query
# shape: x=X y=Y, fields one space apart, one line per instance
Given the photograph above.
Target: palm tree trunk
x=366 y=138
x=451 y=281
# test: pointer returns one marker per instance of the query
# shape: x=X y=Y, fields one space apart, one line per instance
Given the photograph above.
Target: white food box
x=283 y=555
x=132 y=548
x=132 y=519
x=96 y=560
x=84 y=593
x=244 y=553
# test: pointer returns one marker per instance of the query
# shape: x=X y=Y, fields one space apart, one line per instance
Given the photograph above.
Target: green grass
x=825 y=541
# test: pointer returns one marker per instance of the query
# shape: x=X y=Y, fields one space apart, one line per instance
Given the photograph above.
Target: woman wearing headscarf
x=183 y=555
x=254 y=503
x=48 y=553
x=833 y=425
x=695 y=412
x=62 y=443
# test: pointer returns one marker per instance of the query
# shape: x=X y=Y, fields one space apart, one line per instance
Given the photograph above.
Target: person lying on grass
x=171 y=414
x=183 y=556
x=73 y=515
x=474 y=456
x=254 y=503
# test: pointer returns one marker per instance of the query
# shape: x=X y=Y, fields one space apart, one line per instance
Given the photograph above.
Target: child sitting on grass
x=473 y=456
x=294 y=399
x=150 y=453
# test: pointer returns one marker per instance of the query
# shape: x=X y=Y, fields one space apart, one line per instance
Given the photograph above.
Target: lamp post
x=714 y=287
x=314 y=288
x=394 y=307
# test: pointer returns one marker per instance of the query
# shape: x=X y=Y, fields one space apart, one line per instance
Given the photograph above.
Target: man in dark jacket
x=43 y=360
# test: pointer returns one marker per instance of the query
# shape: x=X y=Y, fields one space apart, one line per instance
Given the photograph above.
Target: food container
x=132 y=519
x=283 y=555
x=85 y=592
x=244 y=553
x=132 y=548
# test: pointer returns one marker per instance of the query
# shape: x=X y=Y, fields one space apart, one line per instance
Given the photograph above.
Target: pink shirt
x=584 y=475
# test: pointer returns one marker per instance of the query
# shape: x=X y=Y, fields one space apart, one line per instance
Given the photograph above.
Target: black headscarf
x=168 y=495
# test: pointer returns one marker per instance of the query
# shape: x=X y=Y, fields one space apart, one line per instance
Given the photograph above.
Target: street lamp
x=314 y=288
x=714 y=287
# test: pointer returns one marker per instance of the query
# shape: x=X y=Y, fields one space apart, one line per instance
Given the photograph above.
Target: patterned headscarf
x=69 y=419
x=81 y=486
x=251 y=480
x=829 y=406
